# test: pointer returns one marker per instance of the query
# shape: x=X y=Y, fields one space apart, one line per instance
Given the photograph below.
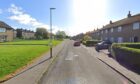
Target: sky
x=71 y=16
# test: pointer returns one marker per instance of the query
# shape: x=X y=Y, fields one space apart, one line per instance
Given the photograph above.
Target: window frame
x=106 y=31
x=112 y=30
x=119 y=28
x=136 y=25
x=3 y=30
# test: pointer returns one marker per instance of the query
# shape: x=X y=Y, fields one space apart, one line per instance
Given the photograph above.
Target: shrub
x=91 y=42
x=130 y=45
x=84 y=42
x=128 y=53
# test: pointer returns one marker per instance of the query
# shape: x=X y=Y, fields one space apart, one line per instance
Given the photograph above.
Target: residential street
x=75 y=65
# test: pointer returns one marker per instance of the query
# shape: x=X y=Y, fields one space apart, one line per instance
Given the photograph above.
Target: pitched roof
x=4 y=25
x=124 y=21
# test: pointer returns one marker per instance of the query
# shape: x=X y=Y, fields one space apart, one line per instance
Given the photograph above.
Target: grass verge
x=13 y=57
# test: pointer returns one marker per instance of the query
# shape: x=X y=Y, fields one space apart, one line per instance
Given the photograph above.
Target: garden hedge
x=91 y=42
x=128 y=53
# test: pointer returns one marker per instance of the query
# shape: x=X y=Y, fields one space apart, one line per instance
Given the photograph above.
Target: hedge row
x=91 y=42
x=130 y=45
x=128 y=53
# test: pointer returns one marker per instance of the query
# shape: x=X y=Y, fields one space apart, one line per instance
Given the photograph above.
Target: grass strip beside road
x=45 y=42
x=13 y=57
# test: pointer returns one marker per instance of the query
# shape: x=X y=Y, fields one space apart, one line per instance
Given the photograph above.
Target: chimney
x=111 y=22
x=129 y=14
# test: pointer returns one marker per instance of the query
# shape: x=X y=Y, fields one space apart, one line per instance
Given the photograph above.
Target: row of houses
x=7 y=33
x=124 y=30
x=25 y=34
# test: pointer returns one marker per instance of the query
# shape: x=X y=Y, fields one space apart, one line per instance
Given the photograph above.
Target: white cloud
x=56 y=28
x=1 y=11
x=21 y=17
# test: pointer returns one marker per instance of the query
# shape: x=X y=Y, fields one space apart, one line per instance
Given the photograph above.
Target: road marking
x=76 y=55
x=71 y=56
x=69 y=80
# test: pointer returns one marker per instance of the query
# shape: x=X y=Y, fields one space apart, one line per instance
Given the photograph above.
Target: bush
x=91 y=42
x=84 y=42
x=128 y=53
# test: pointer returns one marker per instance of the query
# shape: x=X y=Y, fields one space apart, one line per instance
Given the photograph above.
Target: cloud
x=21 y=17
x=1 y=11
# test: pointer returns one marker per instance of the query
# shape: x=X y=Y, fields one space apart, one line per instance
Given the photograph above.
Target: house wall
x=28 y=35
x=127 y=33
x=7 y=36
x=10 y=35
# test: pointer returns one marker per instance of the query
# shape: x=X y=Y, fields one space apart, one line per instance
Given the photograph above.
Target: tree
x=86 y=38
x=60 y=35
x=41 y=33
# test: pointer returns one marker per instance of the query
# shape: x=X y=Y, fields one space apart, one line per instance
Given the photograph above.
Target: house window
x=131 y=39
x=102 y=31
x=98 y=33
x=106 y=38
x=3 y=38
x=106 y=31
x=119 y=29
x=120 y=39
x=112 y=39
x=136 y=25
x=2 y=30
x=111 y=30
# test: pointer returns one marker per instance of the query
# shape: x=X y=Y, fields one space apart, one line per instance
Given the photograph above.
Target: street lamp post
x=51 y=31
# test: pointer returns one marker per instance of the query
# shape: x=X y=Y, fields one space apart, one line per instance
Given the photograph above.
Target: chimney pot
x=110 y=21
x=129 y=14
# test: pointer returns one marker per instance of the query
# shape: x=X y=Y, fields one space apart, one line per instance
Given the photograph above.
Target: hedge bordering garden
x=128 y=53
x=90 y=42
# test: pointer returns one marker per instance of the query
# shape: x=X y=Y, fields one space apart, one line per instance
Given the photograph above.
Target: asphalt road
x=75 y=65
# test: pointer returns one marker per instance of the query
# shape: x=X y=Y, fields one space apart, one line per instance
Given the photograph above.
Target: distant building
x=15 y=33
x=125 y=30
x=6 y=32
x=25 y=34
x=78 y=37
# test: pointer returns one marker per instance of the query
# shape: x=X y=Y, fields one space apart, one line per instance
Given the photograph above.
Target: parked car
x=103 y=45
x=77 y=43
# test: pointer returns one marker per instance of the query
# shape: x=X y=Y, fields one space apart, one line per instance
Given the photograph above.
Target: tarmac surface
x=77 y=65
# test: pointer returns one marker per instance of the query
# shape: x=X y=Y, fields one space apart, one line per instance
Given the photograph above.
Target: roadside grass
x=13 y=57
x=32 y=42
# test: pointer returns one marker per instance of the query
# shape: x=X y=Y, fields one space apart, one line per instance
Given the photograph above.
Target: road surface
x=75 y=65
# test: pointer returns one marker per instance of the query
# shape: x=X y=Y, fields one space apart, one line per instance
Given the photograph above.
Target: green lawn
x=32 y=42
x=13 y=57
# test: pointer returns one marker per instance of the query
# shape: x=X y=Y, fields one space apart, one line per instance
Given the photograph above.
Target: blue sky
x=72 y=16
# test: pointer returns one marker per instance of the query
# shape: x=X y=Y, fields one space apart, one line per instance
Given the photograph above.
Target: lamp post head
x=52 y=8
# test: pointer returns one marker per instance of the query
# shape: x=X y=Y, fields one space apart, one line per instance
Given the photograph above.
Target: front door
x=135 y=39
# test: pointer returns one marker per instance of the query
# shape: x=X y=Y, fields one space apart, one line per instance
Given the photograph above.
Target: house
x=25 y=34
x=96 y=34
x=15 y=33
x=125 y=30
x=78 y=37
x=6 y=32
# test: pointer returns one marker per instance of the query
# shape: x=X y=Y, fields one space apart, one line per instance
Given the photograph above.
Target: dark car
x=103 y=45
x=77 y=43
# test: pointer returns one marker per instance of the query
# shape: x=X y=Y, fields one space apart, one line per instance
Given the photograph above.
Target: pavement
x=103 y=56
x=32 y=73
x=124 y=71
x=79 y=65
